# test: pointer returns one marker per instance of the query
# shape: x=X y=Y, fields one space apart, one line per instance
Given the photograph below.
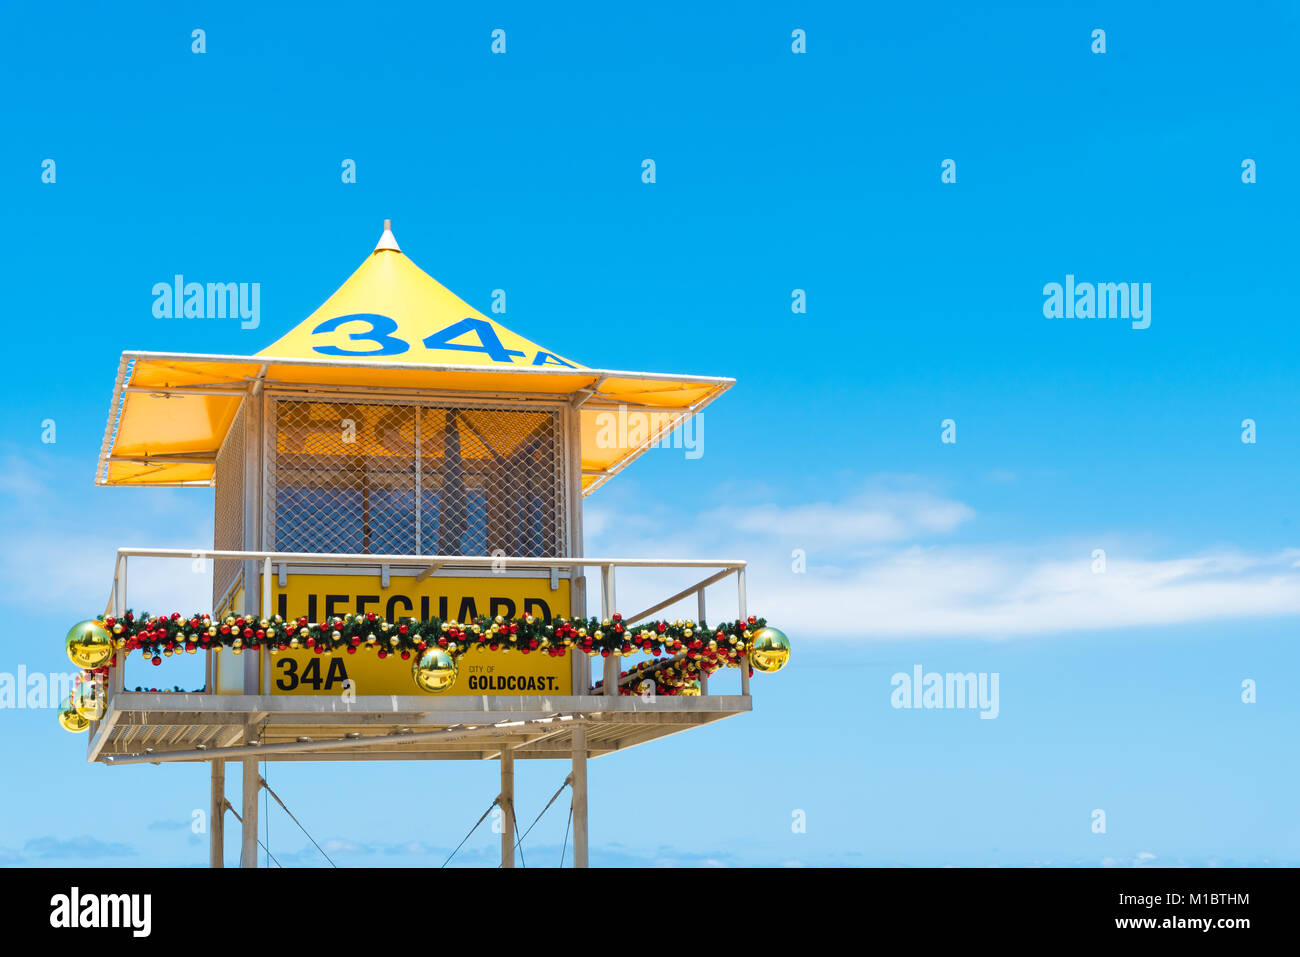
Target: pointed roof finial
x=388 y=240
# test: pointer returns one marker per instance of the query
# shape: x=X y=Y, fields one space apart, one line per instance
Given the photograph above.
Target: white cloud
x=863 y=520
x=864 y=559
x=57 y=550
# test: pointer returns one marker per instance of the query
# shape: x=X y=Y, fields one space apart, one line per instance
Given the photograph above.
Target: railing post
x=610 y=676
x=119 y=587
x=264 y=650
x=607 y=606
x=699 y=620
x=740 y=597
x=577 y=609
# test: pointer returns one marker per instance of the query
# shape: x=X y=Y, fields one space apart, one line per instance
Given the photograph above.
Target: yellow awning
x=390 y=326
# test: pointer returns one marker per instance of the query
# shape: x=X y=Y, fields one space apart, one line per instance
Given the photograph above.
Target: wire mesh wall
x=398 y=479
x=228 y=532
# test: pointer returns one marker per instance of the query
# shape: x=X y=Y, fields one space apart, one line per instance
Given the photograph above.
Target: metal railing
x=432 y=563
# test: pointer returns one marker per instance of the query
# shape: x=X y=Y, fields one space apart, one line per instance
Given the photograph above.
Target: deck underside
x=153 y=727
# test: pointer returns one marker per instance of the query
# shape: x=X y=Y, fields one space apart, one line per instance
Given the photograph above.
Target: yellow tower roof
x=389 y=326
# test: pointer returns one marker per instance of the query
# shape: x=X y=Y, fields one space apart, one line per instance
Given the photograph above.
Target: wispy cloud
x=888 y=558
x=865 y=519
x=47 y=848
x=57 y=550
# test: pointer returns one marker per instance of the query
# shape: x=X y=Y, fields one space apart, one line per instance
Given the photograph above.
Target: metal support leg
x=217 y=815
x=248 y=833
x=580 y=796
x=507 y=806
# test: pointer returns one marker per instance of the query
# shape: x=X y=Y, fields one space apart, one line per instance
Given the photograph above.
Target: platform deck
x=195 y=727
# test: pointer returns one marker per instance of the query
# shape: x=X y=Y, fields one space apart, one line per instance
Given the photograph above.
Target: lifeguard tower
x=398 y=567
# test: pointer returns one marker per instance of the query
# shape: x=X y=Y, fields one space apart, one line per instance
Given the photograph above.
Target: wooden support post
x=217 y=815
x=580 y=796
x=248 y=832
x=506 y=802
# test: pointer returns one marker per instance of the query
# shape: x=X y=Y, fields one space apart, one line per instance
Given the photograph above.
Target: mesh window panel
x=228 y=532
x=344 y=478
x=491 y=479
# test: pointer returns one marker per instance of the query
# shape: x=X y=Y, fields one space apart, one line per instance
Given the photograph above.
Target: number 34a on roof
x=381 y=338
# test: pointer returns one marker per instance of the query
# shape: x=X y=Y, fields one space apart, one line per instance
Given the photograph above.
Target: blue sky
x=775 y=171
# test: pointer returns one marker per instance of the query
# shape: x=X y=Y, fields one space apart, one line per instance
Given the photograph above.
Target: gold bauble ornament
x=691 y=689
x=434 y=670
x=88 y=700
x=89 y=645
x=769 y=650
x=71 y=720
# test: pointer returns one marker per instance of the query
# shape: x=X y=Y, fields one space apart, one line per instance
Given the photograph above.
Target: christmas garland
x=695 y=647
x=676 y=676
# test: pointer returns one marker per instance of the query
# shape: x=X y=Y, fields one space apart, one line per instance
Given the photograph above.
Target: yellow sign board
x=480 y=671
x=317 y=597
